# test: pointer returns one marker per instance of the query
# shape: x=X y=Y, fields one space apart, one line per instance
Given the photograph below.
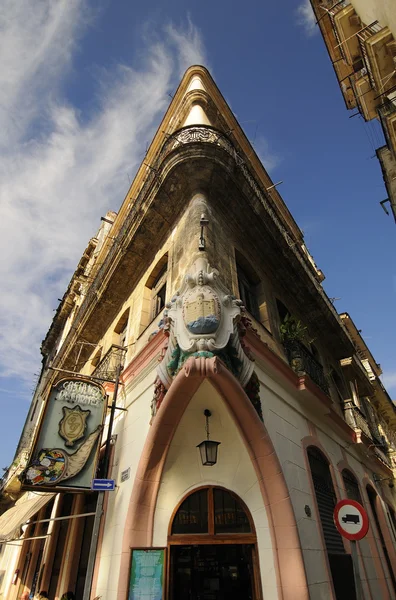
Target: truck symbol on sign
x=351 y=519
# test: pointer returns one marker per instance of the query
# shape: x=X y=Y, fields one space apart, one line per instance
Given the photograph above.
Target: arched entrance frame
x=139 y=523
x=212 y=538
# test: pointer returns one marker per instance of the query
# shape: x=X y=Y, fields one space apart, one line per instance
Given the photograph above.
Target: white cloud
x=389 y=380
x=61 y=169
x=306 y=17
x=266 y=154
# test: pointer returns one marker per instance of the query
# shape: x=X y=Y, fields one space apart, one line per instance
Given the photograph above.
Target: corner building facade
x=203 y=280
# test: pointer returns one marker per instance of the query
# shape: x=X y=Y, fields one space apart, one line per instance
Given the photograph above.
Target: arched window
x=351 y=486
x=212 y=548
x=340 y=563
x=120 y=330
x=248 y=282
x=154 y=295
x=326 y=499
x=211 y=511
x=373 y=499
x=315 y=353
x=283 y=311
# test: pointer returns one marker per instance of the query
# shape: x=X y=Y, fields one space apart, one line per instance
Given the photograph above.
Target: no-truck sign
x=351 y=519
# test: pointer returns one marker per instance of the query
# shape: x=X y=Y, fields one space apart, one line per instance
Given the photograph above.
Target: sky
x=83 y=87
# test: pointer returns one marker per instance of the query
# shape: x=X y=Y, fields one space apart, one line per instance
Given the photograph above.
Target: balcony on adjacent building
x=387 y=112
x=303 y=362
x=366 y=96
x=346 y=25
x=325 y=12
x=378 y=51
x=387 y=160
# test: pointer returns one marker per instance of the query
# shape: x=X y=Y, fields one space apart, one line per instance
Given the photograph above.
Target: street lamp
x=208 y=448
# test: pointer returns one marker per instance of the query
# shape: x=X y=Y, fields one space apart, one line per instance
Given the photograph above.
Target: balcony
x=347 y=24
x=326 y=12
x=382 y=455
x=108 y=366
x=387 y=112
x=304 y=363
x=387 y=160
x=357 y=420
x=366 y=96
x=376 y=44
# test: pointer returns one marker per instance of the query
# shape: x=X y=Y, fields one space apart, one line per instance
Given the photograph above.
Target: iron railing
x=356 y=418
x=303 y=362
x=358 y=421
x=107 y=368
x=362 y=37
x=381 y=454
x=388 y=108
x=336 y=8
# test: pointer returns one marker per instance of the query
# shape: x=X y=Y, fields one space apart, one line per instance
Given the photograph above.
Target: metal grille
x=107 y=368
x=302 y=361
x=326 y=499
x=362 y=36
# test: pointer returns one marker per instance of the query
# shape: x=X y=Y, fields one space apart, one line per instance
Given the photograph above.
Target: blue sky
x=82 y=88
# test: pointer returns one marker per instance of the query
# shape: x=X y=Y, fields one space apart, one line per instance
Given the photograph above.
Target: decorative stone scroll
x=204 y=320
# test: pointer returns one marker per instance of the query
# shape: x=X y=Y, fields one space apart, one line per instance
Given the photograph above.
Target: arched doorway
x=212 y=548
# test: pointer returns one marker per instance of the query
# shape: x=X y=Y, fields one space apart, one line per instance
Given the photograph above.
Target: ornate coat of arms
x=202 y=321
x=72 y=426
x=201 y=310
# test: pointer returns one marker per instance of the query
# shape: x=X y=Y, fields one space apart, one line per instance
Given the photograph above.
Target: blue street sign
x=105 y=485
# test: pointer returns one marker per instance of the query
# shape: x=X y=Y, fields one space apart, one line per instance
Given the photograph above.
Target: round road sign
x=351 y=519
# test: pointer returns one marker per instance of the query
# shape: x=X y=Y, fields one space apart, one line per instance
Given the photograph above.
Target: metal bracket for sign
x=117 y=408
x=85 y=376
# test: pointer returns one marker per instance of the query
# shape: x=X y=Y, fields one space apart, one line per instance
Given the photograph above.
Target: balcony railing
x=387 y=109
x=363 y=36
x=381 y=454
x=304 y=363
x=356 y=418
x=107 y=368
x=358 y=421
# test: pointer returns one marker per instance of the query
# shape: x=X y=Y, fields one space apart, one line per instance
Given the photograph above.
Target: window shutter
x=326 y=499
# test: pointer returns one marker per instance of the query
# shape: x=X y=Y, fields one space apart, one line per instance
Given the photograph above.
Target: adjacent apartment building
x=238 y=405
x=360 y=37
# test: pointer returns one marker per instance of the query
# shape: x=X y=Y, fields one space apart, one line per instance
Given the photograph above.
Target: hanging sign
x=351 y=519
x=65 y=451
x=146 y=579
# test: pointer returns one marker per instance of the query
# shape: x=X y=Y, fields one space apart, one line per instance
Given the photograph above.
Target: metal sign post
x=356 y=571
x=101 y=494
x=352 y=522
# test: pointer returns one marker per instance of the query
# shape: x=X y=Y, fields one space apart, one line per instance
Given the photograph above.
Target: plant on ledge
x=295 y=339
x=293 y=329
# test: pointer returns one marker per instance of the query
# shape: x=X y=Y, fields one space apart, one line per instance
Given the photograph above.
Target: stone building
x=200 y=307
x=360 y=37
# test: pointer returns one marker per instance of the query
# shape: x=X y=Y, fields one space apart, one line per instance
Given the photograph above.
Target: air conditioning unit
x=355 y=21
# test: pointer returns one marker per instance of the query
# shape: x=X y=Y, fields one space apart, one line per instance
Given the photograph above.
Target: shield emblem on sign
x=72 y=426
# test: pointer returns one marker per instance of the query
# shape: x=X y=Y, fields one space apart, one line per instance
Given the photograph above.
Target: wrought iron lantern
x=208 y=448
